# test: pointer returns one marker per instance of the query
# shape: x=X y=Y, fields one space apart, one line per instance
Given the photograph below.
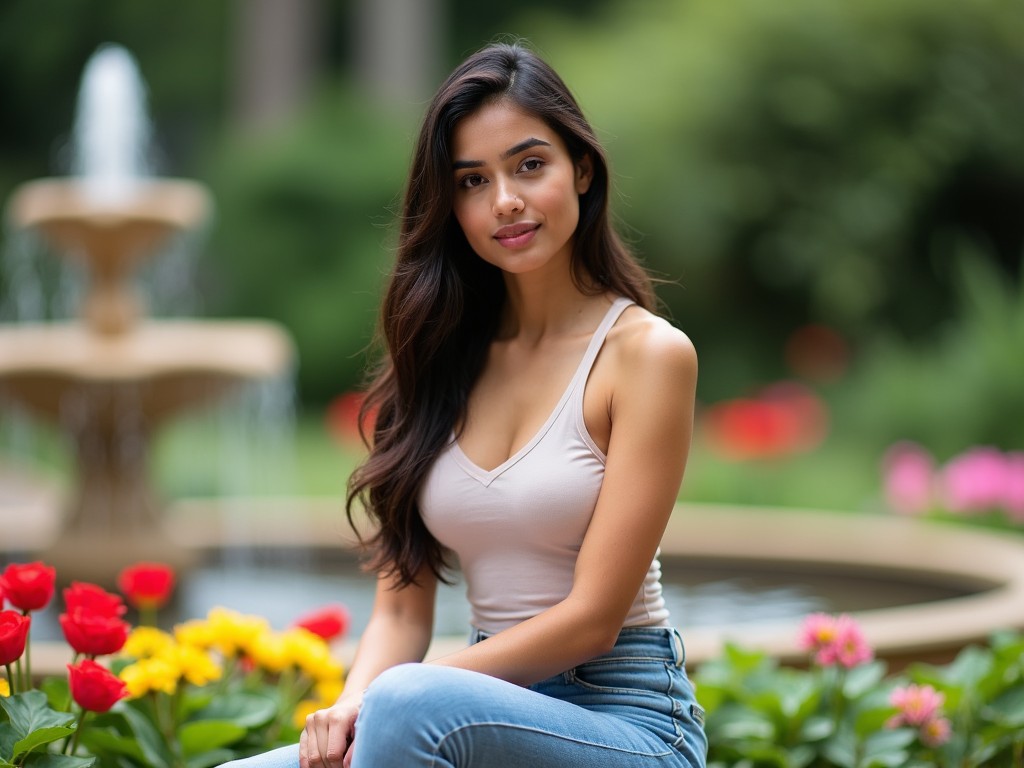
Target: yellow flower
x=5 y=688
x=195 y=632
x=328 y=691
x=145 y=675
x=196 y=665
x=311 y=654
x=270 y=652
x=234 y=632
x=303 y=709
x=146 y=642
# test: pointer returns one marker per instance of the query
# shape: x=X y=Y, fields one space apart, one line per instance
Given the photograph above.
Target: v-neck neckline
x=487 y=476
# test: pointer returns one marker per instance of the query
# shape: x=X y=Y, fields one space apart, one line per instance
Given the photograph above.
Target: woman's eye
x=531 y=164
x=472 y=180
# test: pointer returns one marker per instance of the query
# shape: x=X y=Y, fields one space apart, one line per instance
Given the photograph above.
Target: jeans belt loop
x=678 y=648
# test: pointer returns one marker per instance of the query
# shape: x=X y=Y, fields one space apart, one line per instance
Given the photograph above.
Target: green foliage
x=761 y=714
x=959 y=388
x=302 y=233
x=29 y=726
x=805 y=160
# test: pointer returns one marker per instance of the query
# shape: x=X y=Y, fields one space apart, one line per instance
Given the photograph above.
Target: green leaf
x=47 y=760
x=1008 y=709
x=101 y=742
x=800 y=756
x=969 y=667
x=58 y=694
x=817 y=728
x=887 y=742
x=210 y=759
x=861 y=679
x=248 y=710
x=8 y=738
x=150 y=741
x=38 y=738
x=841 y=750
x=30 y=711
x=204 y=735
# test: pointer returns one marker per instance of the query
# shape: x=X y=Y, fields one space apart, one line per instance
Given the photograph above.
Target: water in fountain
x=112 y=140
x=110 y=152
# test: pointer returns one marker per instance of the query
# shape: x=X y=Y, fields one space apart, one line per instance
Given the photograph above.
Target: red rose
x=329 y=622
x=13 y=636
x=93 y=599
x=146 y=585
x=94 y=687
x=94 y=634
x=28 y=586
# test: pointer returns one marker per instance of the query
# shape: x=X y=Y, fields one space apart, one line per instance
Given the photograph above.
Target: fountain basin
x=973 y=579
x=980 y=573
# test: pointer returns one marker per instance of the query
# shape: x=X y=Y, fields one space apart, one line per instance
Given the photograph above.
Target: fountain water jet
x=110 y=382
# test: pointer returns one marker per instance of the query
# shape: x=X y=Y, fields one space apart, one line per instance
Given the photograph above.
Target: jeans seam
x=517 y=727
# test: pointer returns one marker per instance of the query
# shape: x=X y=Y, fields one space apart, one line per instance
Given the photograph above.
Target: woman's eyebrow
x=510 y=152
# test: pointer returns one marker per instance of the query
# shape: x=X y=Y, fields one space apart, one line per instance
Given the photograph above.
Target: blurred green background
x=832 y=191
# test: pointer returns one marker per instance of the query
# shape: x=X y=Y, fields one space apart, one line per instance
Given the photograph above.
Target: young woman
x=533 y=424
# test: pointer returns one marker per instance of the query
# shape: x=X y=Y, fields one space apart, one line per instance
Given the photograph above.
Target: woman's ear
x=584 y=174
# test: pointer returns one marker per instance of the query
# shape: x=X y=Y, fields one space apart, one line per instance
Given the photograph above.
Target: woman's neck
x=537 y=307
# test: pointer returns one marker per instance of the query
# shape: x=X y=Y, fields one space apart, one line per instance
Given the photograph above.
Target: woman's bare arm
x=650 y=405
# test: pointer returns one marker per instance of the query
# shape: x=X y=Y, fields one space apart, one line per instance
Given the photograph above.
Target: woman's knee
x=420 y=692
x=404 y=686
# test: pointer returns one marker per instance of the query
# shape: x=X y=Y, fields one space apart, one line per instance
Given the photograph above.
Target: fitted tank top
x=517 y=529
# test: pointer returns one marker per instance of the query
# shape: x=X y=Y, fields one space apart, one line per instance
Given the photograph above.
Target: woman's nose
x=506 y=200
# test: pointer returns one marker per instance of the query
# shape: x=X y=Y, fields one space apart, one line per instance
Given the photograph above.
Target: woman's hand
x=327 y=738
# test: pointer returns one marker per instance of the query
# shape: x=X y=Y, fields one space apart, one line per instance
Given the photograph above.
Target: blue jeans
x=631 y=707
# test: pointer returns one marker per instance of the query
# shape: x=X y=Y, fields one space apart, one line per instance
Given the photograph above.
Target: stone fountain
x=109 y=379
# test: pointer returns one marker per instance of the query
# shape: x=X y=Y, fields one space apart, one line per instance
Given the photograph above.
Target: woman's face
x=516 y=189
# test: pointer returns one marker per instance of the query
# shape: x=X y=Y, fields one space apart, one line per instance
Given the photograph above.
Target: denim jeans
x=630 y=707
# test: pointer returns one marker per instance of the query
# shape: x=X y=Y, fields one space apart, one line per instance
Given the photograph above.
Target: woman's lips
x=516 y=235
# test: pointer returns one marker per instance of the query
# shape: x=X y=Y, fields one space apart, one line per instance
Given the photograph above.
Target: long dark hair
x=441 y=307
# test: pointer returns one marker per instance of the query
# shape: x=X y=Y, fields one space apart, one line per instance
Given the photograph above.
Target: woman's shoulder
x=642 y=342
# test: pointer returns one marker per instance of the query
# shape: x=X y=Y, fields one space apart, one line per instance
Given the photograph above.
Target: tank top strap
x=597 y=341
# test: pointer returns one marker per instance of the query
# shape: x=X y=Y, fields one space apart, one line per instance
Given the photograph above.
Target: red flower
x=93 y=634
x=329 y=622
x=13 y=636
x=92 y=623
x=28 y=586
x=146 y=585
x=94 y=599
x=94 y=687
x=783 y=419
x=343 y=420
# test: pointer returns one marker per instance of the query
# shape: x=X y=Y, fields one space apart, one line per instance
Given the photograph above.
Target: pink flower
x=908 y=476
x=817 y=632
x=935 y=732
x=917 y=704
x=975 y=481
x=850 y=648
x=834 y=640
x=920 y=706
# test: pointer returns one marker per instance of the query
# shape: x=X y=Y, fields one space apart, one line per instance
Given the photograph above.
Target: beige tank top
x=518 y=528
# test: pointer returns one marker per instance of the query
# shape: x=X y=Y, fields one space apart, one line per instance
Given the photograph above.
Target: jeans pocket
x=625 y=675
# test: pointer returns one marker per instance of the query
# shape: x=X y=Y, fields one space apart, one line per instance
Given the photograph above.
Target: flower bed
x=845 y=711
x=212 y=690
x=227 y=686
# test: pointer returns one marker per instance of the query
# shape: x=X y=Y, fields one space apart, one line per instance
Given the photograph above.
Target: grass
x=190 y=459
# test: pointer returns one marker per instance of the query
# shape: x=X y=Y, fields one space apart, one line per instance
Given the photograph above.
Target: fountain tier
x=110 y=236
x=109 y=395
